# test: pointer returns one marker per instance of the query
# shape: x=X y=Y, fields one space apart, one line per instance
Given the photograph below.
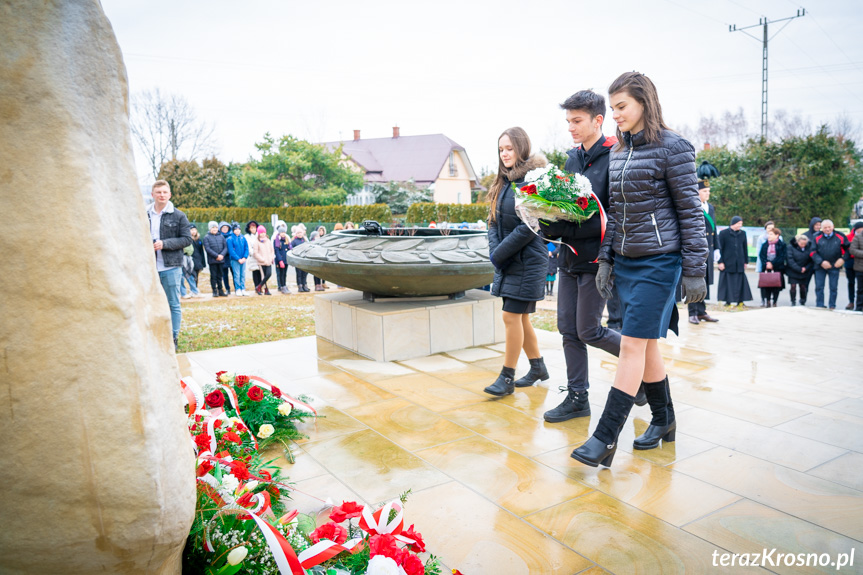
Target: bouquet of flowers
x=550 y=194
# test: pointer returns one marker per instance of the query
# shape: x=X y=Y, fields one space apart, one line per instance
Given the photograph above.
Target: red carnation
x=529 y=189
x=240 y=471
x=383 y=545
x=417 y=547
x=265 y=474
x=202 y=441
x=276 y=391
x=413 y=565
x=330 y=531
x=582 y=203
x=217 y=424
x=346 y=510
x=241 y=380
x=232 y=437
x=255 y=393
x=215 y=399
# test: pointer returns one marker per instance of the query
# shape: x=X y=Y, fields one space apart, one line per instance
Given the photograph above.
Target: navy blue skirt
x=646 y=287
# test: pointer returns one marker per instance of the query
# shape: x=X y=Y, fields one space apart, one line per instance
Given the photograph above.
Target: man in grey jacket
x=170 y=230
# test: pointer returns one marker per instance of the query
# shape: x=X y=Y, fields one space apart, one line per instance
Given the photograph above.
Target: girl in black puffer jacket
x=655 y=231
x=520 y=262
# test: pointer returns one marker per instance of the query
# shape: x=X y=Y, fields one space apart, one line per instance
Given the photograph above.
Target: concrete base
x=396 y=330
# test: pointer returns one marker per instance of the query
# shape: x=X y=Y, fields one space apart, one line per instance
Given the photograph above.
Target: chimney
x=706 y=145
x=395 y=131
x=356 y=135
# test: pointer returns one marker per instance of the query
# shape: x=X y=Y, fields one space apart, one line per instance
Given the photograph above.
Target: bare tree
x=785 y=125
x=165 y=126
x=847 y=128
x=729 y=129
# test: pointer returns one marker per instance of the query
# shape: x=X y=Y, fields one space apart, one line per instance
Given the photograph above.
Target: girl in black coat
x=733 y=261
x=773 y=254
x=798 y=268
x=655 y=234
x=520 y=262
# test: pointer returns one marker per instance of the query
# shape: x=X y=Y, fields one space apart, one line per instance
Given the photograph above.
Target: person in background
x=733 y=262
x=225 y=230
x=169 y=228
x=299 y=239
x=850 y=263
x=198 y=255
x=252 y=240
x=238 y=250
x=773 y=255
x=338 y=226
x=856 y=250
x=814 y=229
x=217 y=252
x=319 y=233
x=551 y=274
x=759 y=264
x=265 y=255
x=798 y=268
x=281 y=246
x=698 y=311
x=828 y=257
x=189 y=275
x=350 y=226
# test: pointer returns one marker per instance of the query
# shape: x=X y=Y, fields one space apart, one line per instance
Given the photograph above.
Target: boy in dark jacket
x=579 y=305
x=217 y=250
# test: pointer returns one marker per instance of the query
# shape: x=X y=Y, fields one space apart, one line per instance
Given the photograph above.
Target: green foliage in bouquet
x=554 y=195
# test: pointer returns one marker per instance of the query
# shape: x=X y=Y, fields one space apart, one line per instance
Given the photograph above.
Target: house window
x=453 y=171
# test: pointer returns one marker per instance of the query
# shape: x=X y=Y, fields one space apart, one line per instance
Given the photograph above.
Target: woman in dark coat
x=655 y=235
x=798 y=267
x=733 y=261
x=773 y=254
x=520 y=261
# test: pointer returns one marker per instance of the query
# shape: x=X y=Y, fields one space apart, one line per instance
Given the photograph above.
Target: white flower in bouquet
x=382 y=565
x=285 y=408
x=229 y=483
x=265 y=431
x=237 y=556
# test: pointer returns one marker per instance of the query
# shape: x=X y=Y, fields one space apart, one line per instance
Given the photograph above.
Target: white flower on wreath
x=229 y=483
x=382 y=565
x=237 y=556
x=266 y=430
x=285 y=408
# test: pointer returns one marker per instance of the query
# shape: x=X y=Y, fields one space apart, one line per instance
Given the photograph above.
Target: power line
x=763 y=22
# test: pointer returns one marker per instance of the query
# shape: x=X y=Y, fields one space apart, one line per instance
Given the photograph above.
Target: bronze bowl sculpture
x=399 y=262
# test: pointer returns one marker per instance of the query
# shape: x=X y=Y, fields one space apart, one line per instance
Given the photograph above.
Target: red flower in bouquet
x=240 y=471
x=383 y=545
x=412 y=565
x=582 y=202
x=203 y=441
x=331 y=531
x=215 y=399
x=276 y=391
x=346 y=510
x=529 y=189
x=255 y=393
x=232 y=437
x=245 y=500
x=241 y=380
x=263 y=473
x=420 y=545
x=204 y=468
x=219 y=374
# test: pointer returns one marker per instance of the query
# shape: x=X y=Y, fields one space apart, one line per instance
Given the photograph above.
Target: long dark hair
x=521 y=146
x=642 y=90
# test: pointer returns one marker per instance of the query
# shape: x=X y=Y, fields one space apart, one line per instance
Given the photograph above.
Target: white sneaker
x=198 y=294
x=187 y=296
x=242 y=293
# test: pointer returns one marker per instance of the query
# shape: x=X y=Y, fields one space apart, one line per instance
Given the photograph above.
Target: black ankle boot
x=537 y=372
x=503 y=385
x=574 y=405
x=663 y=425
x=640 y=396
x=602 y=445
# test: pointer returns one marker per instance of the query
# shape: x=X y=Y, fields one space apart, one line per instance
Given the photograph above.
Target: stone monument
x=97 y=471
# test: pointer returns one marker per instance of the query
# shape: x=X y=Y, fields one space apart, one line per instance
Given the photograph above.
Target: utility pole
x=764 y=22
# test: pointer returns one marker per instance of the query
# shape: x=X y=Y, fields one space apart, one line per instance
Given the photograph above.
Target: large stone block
x=97 y=471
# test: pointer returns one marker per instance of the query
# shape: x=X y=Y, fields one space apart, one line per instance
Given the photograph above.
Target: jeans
x=579 y=316
x=239 y=272
x=226 y=270
x=171 y=280
x=820 y=275
x=193 y=283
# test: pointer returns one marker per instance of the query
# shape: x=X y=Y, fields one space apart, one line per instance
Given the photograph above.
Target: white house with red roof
x=430 y=161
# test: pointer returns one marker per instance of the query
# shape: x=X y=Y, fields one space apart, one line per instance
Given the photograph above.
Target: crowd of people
x=821 y=251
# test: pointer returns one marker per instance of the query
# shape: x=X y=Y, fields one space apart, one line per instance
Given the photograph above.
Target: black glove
x=693 y=289
x=604 y=279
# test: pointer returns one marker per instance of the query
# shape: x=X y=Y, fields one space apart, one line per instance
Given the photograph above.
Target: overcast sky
x=470 y=69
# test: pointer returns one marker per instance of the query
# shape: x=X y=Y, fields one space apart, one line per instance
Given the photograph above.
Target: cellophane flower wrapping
x=553 y=195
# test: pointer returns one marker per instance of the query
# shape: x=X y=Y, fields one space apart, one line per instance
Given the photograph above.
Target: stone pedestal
x=397 y=330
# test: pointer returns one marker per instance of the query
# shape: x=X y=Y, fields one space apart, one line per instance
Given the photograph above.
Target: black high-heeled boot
x=663 y=425
x=602 y=445
x=537 y=372
x=503 y=385
x=640 y=396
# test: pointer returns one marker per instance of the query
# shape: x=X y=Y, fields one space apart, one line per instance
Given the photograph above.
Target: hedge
x=427 y=212
x=356 y=214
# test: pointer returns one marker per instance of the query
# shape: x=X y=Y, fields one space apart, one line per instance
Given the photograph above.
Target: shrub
x=424 y=213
